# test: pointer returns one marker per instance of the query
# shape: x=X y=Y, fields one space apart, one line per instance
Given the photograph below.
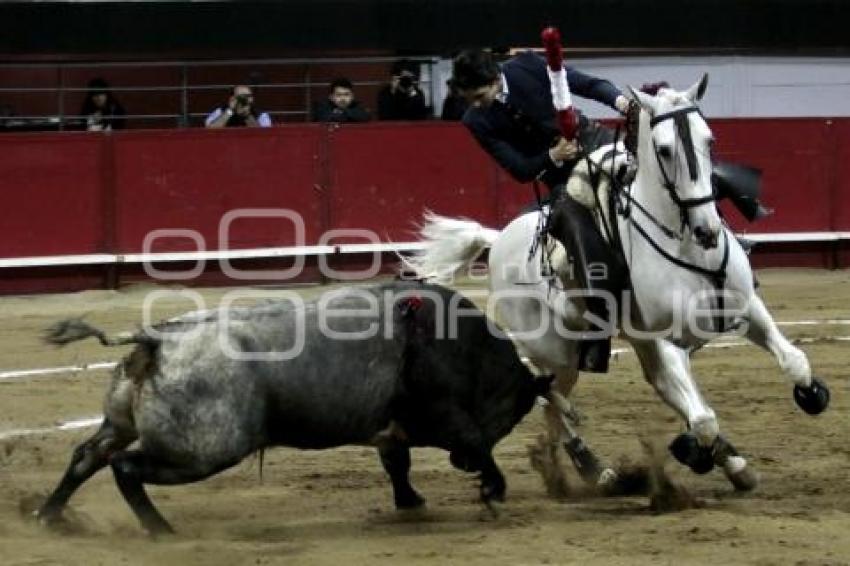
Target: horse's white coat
x=659 y=287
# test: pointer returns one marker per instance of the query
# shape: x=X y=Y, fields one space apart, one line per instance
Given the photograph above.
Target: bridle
x=718 y=275
x=683 y=128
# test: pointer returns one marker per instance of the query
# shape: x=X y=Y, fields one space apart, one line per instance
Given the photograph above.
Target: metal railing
x=183 y=110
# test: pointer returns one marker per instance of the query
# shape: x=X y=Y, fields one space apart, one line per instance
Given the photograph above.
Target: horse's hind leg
x=667 y=368
x=561 y=430
x=551 y=352
x=88 y=458
x=811 y=394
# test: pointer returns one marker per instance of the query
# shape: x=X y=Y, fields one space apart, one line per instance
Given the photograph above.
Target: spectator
x=101 y=110
x=340 y=105
x=239 y=110
x=402 y=99
x=454 y=105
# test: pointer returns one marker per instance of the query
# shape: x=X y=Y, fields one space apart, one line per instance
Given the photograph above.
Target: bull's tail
x=74 y=329
x=450 y=245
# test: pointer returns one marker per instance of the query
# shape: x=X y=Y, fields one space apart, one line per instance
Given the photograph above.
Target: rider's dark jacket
x=519 y=130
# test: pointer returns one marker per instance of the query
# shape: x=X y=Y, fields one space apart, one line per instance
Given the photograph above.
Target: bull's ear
x=697 y=91
x=647 y=101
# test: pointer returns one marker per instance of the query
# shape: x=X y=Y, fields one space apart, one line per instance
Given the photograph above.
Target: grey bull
x=393 y=366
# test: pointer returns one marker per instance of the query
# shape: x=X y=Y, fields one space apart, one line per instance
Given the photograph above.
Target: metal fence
x=46 y=96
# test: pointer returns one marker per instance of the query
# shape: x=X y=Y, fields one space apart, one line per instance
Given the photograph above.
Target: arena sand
x=335 y=507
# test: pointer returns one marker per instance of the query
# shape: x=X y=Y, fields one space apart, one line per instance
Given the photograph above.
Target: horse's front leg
x=667 y=368
x=810 y=393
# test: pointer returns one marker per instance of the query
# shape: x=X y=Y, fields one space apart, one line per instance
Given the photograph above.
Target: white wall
x=737 y=86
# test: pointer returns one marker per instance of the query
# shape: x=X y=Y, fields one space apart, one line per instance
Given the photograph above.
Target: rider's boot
x=742 y=186
x=596 y=268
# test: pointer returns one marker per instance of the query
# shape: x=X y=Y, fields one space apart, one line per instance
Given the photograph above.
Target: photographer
x=238 y=111
x=402 y=99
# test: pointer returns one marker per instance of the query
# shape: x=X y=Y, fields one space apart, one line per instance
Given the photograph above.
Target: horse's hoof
x=741 y=476
x=745 y=480
x=687 y=450
x=608 y=478
x=813 y=399
x=585 y=461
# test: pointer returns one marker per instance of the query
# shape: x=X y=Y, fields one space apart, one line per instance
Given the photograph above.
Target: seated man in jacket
x=340 y=105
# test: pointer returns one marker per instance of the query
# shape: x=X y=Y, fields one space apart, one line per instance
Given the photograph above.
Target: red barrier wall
x=77 y=193
x=52 y=189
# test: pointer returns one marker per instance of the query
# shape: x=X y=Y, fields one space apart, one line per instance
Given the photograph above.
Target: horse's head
x=674 y=149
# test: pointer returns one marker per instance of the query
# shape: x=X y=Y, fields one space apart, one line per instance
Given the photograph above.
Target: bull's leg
x=667 y=368
x=810 y=393
x=88 y=458
x=475 y=458
x=131 y=470
x=493 y=484
x=469 y=451
x=396 y=461
x=134 y=468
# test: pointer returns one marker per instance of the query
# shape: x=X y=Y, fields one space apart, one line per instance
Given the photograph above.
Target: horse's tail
x=450 y=245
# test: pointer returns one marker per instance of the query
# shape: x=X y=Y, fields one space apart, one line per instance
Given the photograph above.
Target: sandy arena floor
x=335 y=507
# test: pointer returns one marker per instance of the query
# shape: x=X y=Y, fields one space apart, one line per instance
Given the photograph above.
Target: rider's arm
x=522 y=168
x=600 y=90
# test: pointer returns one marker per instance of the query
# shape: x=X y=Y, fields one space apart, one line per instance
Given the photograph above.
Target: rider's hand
x=622 y=104
x=564 y=150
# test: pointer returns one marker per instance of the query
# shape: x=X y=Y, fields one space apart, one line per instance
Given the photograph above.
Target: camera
x=405 y=82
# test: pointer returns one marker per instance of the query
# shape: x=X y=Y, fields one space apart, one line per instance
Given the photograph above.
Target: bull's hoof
x=687 y=450
x=159 y=529
x=409 y=501
x=493 y=490
x=813 y=399
x=48 y=517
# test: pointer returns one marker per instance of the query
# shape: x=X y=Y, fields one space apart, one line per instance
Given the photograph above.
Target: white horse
x=690 y=281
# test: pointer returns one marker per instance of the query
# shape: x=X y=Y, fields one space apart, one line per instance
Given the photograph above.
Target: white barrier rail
x=252 y=253
x=298 y=251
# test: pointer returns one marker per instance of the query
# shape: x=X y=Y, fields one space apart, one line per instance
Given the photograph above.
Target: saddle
x=593 y=178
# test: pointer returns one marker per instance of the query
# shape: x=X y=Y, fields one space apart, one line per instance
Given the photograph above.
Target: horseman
x=512 y=116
